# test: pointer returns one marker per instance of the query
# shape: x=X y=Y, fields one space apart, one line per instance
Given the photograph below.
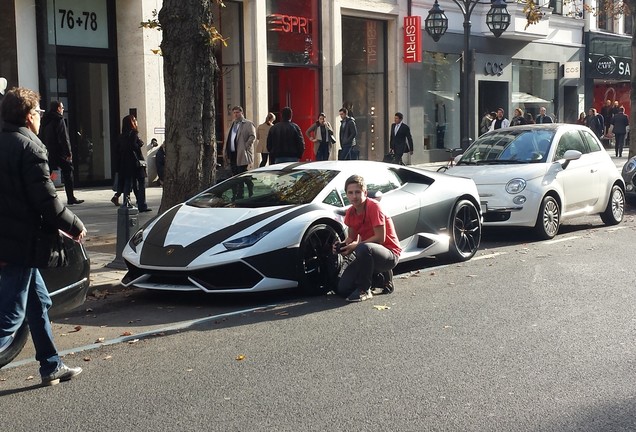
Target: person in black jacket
x=347 y=135
x=401 y=140
x=131 y=165
x=56 y=140
x=285 y=142
x=28 y=204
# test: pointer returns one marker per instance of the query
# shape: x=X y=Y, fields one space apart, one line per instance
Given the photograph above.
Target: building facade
x=312 y=55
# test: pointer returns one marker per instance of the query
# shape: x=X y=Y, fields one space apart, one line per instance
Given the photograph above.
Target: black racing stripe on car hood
x=155 y=254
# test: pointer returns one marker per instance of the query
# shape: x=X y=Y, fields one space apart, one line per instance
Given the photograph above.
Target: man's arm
x=409 y=138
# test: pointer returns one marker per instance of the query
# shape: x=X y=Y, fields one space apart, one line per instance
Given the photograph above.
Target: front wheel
x=12 y=351
x=548 y=219
x=318 y=266
x=466 y=232
x=613 y=214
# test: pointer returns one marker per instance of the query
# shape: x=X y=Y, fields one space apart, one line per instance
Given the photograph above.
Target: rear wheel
x=613 y=214
x=19 y=339
x=466 y=232
x=318 y=267
x=548 y=219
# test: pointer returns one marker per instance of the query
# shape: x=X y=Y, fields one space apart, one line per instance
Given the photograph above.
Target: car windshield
x=512 y=146
x=265 y=189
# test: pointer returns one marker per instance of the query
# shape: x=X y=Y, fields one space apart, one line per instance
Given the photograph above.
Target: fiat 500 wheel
x=548 y=219
x=615 y=210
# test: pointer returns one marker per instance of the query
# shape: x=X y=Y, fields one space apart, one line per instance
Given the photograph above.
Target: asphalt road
x=528 y=336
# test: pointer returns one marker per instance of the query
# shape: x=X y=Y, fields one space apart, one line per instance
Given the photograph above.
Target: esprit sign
x=412 y=39
x=289 y=24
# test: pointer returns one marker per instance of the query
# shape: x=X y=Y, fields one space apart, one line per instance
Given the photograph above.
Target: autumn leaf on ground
x=75 y=329
x=381 y=307
x=134 y=341
x=87 y=359
x=108 y=357
x=100 y=340
x=29 y=378
x=240 y=357
x=126 y=333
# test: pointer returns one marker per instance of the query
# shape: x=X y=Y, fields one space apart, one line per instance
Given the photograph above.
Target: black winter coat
x=55 y=137
x=286 y=140
x=28 y=199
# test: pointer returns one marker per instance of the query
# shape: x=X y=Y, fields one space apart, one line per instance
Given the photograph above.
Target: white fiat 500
x=539 y=175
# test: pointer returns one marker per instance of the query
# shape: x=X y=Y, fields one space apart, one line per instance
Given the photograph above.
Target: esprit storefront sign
x=412 y=39
x=292 y=32
x=78 y=23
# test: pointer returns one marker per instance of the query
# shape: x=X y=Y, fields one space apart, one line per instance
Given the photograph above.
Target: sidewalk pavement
x=100 y=217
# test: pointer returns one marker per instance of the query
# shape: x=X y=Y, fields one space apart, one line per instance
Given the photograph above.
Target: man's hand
x=80 y=237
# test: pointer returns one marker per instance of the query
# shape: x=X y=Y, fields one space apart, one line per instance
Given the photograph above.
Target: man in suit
x=347 y=135
x=619 y=124
x=239 y=148
x=401 y=140
x=543 y=117
x=595 y=122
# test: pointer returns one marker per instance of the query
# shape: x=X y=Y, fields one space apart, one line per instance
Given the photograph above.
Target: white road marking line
x=549 y=242
x=178 y=326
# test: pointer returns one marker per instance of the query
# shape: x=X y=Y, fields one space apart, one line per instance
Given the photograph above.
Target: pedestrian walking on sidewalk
x=55 y=137
x=131 y=165
x=29 y=206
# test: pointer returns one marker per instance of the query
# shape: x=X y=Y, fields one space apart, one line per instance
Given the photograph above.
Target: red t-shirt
x=372 y=217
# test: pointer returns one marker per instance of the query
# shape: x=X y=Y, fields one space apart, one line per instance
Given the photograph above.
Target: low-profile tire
x=318 y=264
x=16 y=346
x=615 y=210
x=548 y=219
x=465 y=232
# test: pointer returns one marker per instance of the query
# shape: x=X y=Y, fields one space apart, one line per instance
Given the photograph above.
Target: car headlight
x=136 y=239
x=515 y=186
x=629 y=166
x=247 y=241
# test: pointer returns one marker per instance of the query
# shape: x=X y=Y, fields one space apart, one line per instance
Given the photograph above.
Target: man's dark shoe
x=358 y=295
x=388 y=282
x=62 y=373
x=145 y=210
x=115 y=200
x=75 y=201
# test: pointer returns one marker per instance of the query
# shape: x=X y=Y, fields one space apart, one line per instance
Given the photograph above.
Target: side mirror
x=376 y=195
x=569 y=156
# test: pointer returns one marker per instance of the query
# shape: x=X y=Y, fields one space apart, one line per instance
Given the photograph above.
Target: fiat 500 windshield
x=512 y=146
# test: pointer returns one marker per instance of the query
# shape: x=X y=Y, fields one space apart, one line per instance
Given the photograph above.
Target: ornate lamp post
x=436 y=24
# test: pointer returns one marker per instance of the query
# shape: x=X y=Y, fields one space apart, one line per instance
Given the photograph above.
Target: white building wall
x=26 y=44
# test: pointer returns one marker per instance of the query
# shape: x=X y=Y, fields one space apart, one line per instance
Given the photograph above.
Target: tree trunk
x=190 y=77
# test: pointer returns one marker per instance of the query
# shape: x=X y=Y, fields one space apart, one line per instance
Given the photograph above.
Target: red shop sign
x=412 y=39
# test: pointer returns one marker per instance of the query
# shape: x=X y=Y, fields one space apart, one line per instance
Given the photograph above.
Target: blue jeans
x=23 y=294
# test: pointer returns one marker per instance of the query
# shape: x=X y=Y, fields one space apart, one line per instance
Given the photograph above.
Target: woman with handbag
x=321 y=134
x=30 y=211
x=132 y=168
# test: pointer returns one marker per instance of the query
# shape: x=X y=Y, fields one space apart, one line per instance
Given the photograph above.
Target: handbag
x=52 y=248
x=389 y=158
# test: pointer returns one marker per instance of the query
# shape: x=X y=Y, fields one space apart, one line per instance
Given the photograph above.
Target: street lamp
x=436 y=24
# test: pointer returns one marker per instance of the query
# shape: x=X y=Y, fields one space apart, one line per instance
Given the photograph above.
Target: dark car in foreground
x=67 y=287
x=273 y=227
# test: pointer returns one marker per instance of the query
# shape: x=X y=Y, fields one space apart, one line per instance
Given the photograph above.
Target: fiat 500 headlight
x=515 y=186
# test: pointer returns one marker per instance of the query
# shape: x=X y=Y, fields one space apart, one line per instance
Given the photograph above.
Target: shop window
x=533 y=86
x=364 y=83
x=9 y=58
x=628 y=24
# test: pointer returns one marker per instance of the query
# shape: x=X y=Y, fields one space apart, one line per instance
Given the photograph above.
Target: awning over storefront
x=443 y=94
x=520 y=97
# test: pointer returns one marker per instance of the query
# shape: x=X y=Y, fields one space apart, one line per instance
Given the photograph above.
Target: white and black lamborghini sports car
x=274 y=227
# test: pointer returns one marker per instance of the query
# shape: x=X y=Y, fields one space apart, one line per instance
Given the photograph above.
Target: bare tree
x=190 y=77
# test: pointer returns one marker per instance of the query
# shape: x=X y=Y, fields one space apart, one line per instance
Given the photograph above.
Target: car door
x=580 y=178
